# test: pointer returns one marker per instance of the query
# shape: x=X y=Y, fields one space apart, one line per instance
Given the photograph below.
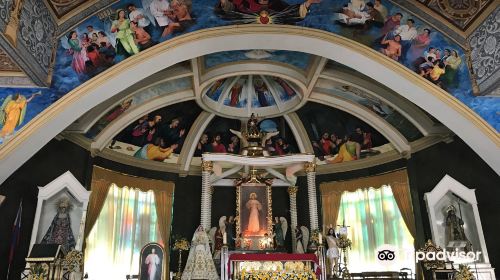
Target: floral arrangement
x=464 y=273
x=181 y=244
x=344 y=242
x=73 y=261
x=315 y=236
x=247 y=243
x=277 y=275
x=38 y=272
x=294 y=266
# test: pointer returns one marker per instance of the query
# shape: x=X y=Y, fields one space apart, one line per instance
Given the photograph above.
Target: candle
x=224 y=238
x=320 y=238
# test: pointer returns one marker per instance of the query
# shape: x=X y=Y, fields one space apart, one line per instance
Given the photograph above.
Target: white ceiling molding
x=197 y=129
x=299 y=132
x=84 y=123
x=411 y=112
x=451 y=112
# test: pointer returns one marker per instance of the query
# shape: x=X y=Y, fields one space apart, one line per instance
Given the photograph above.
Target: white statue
x=200 y=264
x=333 y=250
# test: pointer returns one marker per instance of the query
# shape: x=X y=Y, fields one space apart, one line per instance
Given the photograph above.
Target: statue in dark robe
x=60 y=231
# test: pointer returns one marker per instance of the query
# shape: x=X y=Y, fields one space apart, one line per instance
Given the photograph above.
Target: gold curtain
x=100 y=189
x=163 y=202
x=164 y=194
x=331 y=193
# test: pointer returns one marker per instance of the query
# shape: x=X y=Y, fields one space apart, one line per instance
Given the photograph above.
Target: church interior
x=249 y=139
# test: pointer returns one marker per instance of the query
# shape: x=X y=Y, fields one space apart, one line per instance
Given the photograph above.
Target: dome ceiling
x=283 y=96
x=241 y=96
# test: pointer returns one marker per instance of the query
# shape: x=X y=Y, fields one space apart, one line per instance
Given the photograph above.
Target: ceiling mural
x=460 y=13
x=383 y=110
x=337 y=136
x=295 y=59
x=107 y=38
x=159 y=135
x=242 y=95
x=218 y=138
x=138 y=99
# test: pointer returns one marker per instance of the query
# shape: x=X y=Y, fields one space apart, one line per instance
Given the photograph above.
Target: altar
x=243 y=266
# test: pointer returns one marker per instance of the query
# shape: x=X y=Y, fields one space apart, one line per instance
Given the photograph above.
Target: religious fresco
x=143 y=95
x=295 y=59
x=110 y=37
x=383 y=110
x=337 y=136
x=20 y=105
x=159 y=135
x=218 y=138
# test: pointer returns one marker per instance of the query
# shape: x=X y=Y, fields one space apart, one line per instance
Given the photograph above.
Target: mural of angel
x=13 y=111
x=60 y=231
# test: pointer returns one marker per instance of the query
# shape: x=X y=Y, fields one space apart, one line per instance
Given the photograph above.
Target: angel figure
x=12 y=112
x=302 y=237
x=200 y=264
x=218 y=237
x=279 y=235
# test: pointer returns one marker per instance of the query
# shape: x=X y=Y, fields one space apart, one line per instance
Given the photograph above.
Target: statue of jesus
x=253 y=219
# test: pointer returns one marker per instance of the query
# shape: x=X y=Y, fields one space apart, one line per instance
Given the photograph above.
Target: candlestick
x=320 y=238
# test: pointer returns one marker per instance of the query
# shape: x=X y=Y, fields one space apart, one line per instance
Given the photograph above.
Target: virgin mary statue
x=200 y=264
x=60 y=231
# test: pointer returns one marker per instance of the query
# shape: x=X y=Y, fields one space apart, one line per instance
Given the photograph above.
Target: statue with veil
x=200 y=264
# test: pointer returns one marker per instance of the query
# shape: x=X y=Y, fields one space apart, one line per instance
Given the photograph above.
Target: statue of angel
x=302 y=237
x=219 y=237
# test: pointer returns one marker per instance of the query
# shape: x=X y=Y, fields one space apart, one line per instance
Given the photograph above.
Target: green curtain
x=374 y=220
x=127 y=222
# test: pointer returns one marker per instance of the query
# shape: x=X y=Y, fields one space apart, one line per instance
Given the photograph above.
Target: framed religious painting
x=254 y=210
x=60 y=213
x=152 y=262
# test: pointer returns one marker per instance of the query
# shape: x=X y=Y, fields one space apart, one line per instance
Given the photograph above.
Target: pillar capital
x=207 y=166
x=310 y=167
x=292 y=190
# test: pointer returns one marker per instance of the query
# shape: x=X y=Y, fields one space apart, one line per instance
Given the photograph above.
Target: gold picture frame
x=161 y=271
x=243 y=193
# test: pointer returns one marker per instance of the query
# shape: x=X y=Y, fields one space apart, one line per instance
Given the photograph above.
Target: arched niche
x=451 y=192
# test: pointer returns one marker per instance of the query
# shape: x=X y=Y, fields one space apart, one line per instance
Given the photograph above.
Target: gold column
x=13 y=25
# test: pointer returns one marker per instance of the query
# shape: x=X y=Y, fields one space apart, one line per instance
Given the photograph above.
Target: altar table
x=236 y=258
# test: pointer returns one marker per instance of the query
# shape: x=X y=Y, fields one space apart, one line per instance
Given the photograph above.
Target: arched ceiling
x=288 y=84
x=126 y=78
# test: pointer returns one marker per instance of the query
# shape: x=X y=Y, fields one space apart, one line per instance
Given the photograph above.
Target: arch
x=451 y=112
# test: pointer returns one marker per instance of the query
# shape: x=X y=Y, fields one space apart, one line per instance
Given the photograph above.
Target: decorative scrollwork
x=310 y=167
x=207 y=166
x=292 y=191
